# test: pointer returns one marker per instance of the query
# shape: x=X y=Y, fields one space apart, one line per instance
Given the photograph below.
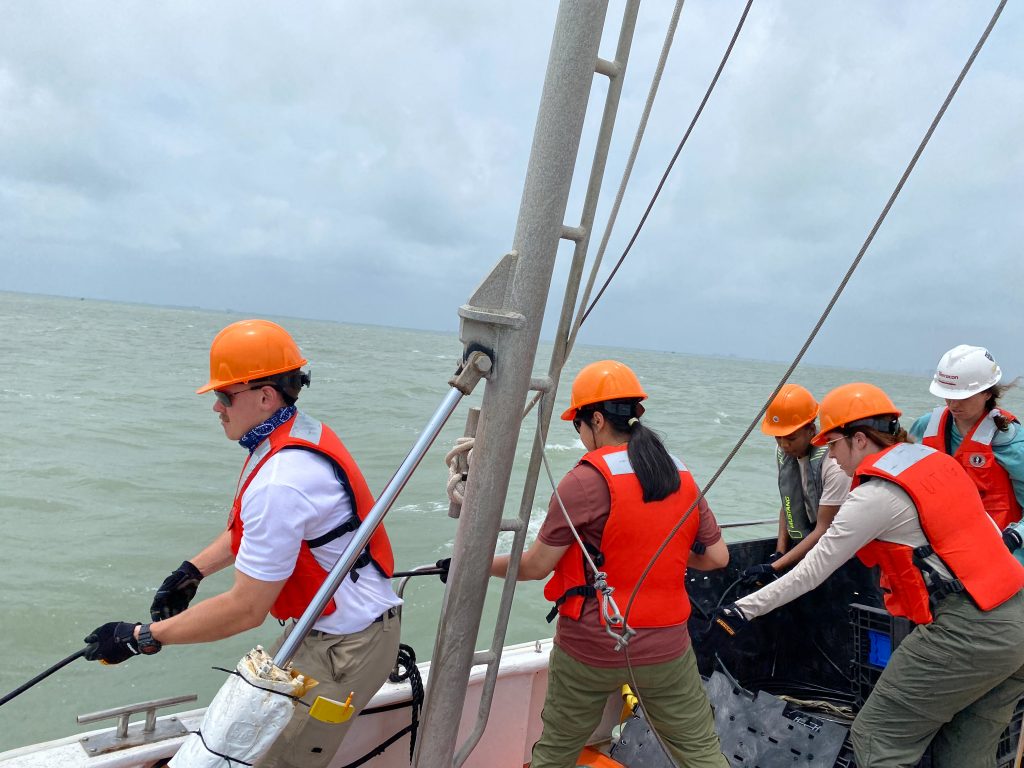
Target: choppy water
x=113 y=472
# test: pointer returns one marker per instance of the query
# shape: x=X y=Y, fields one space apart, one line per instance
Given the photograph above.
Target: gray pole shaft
x=556 y=142
x=365 y=530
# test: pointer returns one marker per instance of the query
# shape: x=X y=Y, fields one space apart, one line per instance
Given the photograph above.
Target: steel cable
x=821 y=320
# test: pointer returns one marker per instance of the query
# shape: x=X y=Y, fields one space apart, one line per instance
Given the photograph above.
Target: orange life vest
x=956 y=527
x=976 y=456
x=634 y=531
x=306 y=433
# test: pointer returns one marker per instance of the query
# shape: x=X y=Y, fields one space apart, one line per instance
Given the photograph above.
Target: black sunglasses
x=227 y=398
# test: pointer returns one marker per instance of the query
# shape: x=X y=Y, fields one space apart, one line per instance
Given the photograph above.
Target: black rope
x=230 y=760
x=424 y=572
x=260 y=687
x=405 y=669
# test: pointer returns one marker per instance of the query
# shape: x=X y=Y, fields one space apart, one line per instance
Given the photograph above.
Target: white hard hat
x=964 y=371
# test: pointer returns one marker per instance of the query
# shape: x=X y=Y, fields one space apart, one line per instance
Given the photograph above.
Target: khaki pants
x=359 y=663
x=676 y=706
x=952 y=683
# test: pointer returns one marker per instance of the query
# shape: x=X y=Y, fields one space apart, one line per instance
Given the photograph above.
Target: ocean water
x=114 y=471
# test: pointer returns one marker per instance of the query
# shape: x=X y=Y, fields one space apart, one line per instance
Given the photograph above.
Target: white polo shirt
x=295 y=497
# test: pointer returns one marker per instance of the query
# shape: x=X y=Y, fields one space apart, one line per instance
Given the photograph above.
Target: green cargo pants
x=952 y=683
x=673 y=695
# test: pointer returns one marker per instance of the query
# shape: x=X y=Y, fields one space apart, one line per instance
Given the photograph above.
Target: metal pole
x=616 y=71
x=365 y=530
x=556 y=142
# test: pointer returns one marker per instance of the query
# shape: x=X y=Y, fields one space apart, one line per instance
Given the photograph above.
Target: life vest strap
x=348 y=526
x=584 y=592
x=938 y=588
x=335 y=533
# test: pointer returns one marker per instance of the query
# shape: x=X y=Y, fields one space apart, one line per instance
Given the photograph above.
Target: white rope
x=459 y=459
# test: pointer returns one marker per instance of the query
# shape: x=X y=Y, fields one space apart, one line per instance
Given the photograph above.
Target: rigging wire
x=641 y=129
x=832 y=302
x=821 y=320
x=570 y=341
x=664 y=176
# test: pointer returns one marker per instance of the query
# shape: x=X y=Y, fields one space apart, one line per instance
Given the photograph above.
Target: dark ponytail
x=654 y=467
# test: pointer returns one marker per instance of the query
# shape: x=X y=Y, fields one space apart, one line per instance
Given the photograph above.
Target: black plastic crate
x=1006 y=753
x=876 y=634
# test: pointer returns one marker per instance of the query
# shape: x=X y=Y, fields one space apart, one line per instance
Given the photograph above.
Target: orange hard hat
x=852 y=403
x=601 y=381
x=250 y=350
x=792 y=408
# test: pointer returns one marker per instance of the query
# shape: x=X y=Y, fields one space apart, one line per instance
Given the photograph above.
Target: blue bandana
x=261 y=432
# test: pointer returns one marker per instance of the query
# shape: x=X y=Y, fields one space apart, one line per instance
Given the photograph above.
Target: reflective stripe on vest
x=800 y=512
x=955 y=525
x=975 y=455
x=634 y=531
x=304 y=432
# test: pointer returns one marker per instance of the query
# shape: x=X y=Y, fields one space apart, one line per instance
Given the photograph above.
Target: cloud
x=364 y=162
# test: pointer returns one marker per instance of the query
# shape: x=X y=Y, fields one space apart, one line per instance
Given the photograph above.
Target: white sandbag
x=244 y=719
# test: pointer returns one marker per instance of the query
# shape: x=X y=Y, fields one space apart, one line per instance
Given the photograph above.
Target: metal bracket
x=486 y=312
x=125 y=735
x=476 y=367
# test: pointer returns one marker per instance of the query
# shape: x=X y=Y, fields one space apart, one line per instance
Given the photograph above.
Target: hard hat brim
x=782 y=431
x=958 y=394
x=217 y=384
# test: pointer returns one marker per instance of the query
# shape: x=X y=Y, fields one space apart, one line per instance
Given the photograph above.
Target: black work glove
x=112 y=643
x=727 y=622
x=445 y=565
x=177 y=591
x=759 y=574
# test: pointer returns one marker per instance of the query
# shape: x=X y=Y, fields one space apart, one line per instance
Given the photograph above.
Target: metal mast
x=504 y=319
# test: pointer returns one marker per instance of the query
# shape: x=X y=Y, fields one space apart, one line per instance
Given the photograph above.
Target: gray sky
x=364 y=162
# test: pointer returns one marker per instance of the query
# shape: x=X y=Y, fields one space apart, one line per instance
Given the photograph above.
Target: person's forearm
x=499 y=566
x=808 y=574
x=796 y=554
x=221 y=616
x=826 y=514
x=529 y=570
x=215 y=557
x=856 y=523
x=783 y=538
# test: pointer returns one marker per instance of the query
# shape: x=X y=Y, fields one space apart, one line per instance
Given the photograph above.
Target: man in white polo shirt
x=298 y=501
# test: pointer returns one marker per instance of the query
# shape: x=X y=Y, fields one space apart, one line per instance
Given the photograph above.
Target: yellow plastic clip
x=629 y=703
x=330 y=711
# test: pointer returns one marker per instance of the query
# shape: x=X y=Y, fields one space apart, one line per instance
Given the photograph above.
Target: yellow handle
x=330 y=711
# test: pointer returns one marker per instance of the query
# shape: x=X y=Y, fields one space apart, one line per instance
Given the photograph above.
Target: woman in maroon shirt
x=625 y=498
